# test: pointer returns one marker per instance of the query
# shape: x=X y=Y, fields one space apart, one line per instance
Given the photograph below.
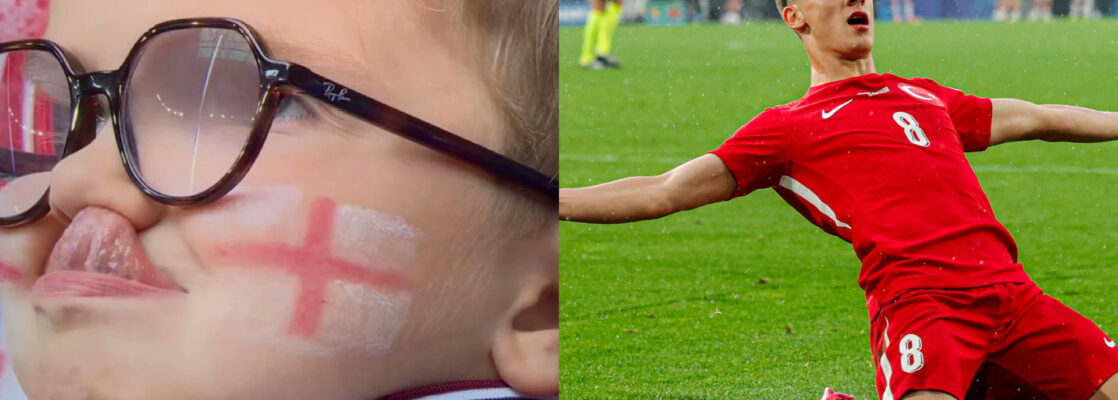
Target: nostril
x=95 y=176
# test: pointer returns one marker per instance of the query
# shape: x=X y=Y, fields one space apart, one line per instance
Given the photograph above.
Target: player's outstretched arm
x=696 y=183
x=1015 y=120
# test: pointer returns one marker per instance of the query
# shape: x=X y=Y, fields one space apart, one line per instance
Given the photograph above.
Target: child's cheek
x=307 y=272
x=273 y=212
x=4 y=376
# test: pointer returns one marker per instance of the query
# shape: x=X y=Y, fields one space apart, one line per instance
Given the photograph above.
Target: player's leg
x=1045 y=10
x=910 y=11
x=1034 y=11
x=1076 y=9
x=1045 y=345
x=609 y=23
x=1108 y=391
x=1082 y=9
x=930 y=343
x=590 y=32
x=1001 y=10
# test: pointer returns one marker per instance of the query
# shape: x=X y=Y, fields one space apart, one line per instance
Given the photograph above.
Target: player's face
x=840 y=27
x=331 y=271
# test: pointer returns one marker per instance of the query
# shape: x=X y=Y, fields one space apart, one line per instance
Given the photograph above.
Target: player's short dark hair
x=780 y=4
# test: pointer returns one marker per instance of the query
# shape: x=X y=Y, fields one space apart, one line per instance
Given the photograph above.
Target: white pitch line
x=672 y=161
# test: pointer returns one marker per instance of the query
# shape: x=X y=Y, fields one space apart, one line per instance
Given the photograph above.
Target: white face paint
x=261 y=297
x=370 y=238
x=362 y=318
x=357 y=318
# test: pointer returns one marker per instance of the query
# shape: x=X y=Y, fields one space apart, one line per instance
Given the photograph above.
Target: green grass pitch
x=674 y=308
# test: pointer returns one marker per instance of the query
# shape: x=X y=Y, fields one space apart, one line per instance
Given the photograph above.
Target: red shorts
x=1002 y=341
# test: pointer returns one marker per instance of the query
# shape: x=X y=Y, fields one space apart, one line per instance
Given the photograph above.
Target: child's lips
x=92 y=284
x=100 y=255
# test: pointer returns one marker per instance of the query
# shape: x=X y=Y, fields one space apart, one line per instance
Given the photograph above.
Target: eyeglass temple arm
x=418 y=130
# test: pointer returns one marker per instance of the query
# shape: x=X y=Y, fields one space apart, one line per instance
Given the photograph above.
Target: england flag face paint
x=322 y=276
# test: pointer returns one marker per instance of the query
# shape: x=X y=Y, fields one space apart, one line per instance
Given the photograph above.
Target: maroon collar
x=463 y=390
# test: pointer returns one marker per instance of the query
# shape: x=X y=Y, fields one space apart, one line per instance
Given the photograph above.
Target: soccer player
x=878 y=160
x=597 y=37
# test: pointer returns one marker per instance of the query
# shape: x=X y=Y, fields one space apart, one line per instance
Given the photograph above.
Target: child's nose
x=95 y=176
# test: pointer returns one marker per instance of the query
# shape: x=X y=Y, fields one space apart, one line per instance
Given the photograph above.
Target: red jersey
x=877 y=160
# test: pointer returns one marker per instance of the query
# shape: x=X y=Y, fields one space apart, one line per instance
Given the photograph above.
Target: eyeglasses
x=191 y=106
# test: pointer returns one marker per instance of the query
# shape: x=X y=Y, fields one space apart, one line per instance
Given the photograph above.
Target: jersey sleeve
x=971 y=115
x=757 y=153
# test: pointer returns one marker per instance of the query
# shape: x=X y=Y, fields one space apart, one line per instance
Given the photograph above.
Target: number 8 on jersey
x=911 y=128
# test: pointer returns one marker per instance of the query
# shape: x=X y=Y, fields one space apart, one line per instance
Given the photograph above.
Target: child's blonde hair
x=517 y=42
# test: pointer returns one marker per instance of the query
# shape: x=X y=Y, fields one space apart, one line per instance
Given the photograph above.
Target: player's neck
x=831 y=69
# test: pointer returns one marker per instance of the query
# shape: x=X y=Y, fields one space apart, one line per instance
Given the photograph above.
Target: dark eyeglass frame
x=276 y=79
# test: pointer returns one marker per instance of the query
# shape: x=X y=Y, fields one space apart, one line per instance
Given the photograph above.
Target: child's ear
x=526 y=345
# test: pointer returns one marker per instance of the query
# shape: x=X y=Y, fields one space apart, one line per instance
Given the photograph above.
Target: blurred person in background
x=597 y=36
x=1082 y=9
x=1007 y=10
x=698 y=10
x=902 y=10
x=731 y=14
x=1041 y=11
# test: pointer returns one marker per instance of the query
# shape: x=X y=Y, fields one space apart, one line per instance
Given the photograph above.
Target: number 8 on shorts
x=911 y=357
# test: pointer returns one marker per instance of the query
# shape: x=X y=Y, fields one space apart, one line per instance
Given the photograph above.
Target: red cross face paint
x=343 y=277
x=9 y=273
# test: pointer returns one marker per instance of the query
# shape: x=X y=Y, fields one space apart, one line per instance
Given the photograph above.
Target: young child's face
x=342 y=266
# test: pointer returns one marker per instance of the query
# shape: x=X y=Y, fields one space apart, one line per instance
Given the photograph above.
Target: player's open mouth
x=99 y=255
x=859 y=20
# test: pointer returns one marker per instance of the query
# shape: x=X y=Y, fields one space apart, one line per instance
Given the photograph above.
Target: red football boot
x=829 y=394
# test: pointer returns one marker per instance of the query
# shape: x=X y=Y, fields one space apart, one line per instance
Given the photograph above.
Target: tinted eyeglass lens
x=34 y=122
x=190 y=106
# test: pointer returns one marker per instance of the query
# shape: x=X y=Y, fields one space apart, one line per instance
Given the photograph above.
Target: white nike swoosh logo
x=1109 y=343
x=835 y=110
